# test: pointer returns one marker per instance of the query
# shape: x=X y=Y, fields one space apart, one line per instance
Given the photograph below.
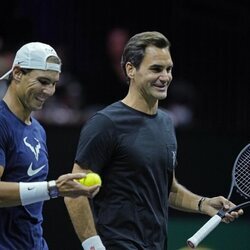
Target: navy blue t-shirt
x=23 y=154
x=135 y=154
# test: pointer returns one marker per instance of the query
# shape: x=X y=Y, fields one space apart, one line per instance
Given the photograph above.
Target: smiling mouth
x=160 y=87
x=41 y=99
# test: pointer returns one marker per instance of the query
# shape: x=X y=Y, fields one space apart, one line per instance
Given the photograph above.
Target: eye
x=169 y=69
x=156 y=69
x=43 y=82
x=46 y=82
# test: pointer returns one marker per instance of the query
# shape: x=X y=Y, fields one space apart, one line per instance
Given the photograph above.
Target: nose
x=166 y=76
x=49 y=89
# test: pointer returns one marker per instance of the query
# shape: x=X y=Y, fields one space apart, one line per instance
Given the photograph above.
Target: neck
x=149 y=107
x=16 y=107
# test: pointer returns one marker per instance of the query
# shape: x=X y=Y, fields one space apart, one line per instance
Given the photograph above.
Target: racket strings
x=242 y=172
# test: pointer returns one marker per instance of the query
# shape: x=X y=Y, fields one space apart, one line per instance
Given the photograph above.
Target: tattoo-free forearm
x=81 y=217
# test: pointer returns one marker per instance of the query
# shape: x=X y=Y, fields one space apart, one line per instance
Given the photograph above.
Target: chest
x=26 y=155
x=149 y=145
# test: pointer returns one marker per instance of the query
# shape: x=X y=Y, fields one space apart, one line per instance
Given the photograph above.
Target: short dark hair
x=134 y=50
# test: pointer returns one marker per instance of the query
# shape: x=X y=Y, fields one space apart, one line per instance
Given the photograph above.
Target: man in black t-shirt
x=132 y=145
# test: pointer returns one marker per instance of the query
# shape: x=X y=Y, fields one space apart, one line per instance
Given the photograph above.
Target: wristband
x=93 y=243
x=200 y=203
x=31 y=192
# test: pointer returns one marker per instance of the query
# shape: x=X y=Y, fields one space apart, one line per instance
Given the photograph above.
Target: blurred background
x=208 y=98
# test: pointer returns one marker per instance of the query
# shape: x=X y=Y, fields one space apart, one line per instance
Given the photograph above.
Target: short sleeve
x=96 y=143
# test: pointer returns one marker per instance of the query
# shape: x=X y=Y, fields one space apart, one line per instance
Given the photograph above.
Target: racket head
x=241 y=172
x=241 y=181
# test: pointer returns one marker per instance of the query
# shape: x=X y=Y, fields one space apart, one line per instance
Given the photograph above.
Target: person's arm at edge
x=80 y=213
x=16 y=194
x=9 y=192
x=182 y=199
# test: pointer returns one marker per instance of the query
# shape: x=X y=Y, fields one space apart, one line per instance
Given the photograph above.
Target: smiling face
x=150 y=81
x=35 y=87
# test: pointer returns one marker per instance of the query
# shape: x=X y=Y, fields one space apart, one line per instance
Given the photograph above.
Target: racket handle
x=204 y=231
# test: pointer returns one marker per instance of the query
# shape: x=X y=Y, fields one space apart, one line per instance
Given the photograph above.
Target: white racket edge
x=194 y=241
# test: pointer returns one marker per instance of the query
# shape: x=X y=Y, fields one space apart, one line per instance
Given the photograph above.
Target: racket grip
x=194 y=241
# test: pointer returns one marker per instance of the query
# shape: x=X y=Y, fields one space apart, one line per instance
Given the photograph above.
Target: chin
x=161 y=97
x=37 y=108
x=38 y=105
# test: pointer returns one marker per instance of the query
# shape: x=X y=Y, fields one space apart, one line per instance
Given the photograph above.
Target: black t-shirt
x=135 y=155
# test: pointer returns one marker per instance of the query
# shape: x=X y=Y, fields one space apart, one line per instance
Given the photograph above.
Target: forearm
x=182 y=199
x=25 y=193
x=9 y=194
x=81 y=217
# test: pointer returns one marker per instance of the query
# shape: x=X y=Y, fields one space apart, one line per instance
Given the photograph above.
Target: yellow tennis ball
x=91 y=179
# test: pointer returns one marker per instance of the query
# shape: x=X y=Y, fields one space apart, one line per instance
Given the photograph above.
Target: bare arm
x=184 y=200
x=66 y=184
x=80 y=213
x=9 y=192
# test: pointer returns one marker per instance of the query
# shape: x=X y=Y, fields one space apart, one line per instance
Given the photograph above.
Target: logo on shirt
x=36 y=149
x=174 y=157
x=32 y=171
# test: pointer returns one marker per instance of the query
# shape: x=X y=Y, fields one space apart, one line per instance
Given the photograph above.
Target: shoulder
x=37 y=126
x=7 y=126
x=5 y=119
x=36 y=123
x=113 y=108
x=3 y=109
x=165 y=117
x=164 y=114
x=107 y=114
x=104 y=121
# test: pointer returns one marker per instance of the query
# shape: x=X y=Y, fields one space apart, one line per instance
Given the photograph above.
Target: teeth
x=41 y=99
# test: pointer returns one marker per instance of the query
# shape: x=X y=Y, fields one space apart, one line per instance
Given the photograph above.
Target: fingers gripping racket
x=240 y=185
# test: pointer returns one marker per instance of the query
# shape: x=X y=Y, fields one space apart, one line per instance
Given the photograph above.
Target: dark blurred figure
x=181 y=103
x=107 y=84
x=65 y=107
x=6 y=59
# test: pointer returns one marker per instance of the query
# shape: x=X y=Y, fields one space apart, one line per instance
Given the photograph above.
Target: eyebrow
x=47 y=79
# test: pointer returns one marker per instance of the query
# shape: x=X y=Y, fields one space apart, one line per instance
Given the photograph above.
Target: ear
x=17 y=73
x=130 y=70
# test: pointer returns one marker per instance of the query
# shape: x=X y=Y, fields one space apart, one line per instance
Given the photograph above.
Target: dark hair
x=10 y=78
x=134 y=50
x=54 y=59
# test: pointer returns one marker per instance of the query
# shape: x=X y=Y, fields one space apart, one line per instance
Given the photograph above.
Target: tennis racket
x=240 y=186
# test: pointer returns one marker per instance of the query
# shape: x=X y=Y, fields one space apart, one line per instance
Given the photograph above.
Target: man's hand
x=211 y=206
x=68 y=186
